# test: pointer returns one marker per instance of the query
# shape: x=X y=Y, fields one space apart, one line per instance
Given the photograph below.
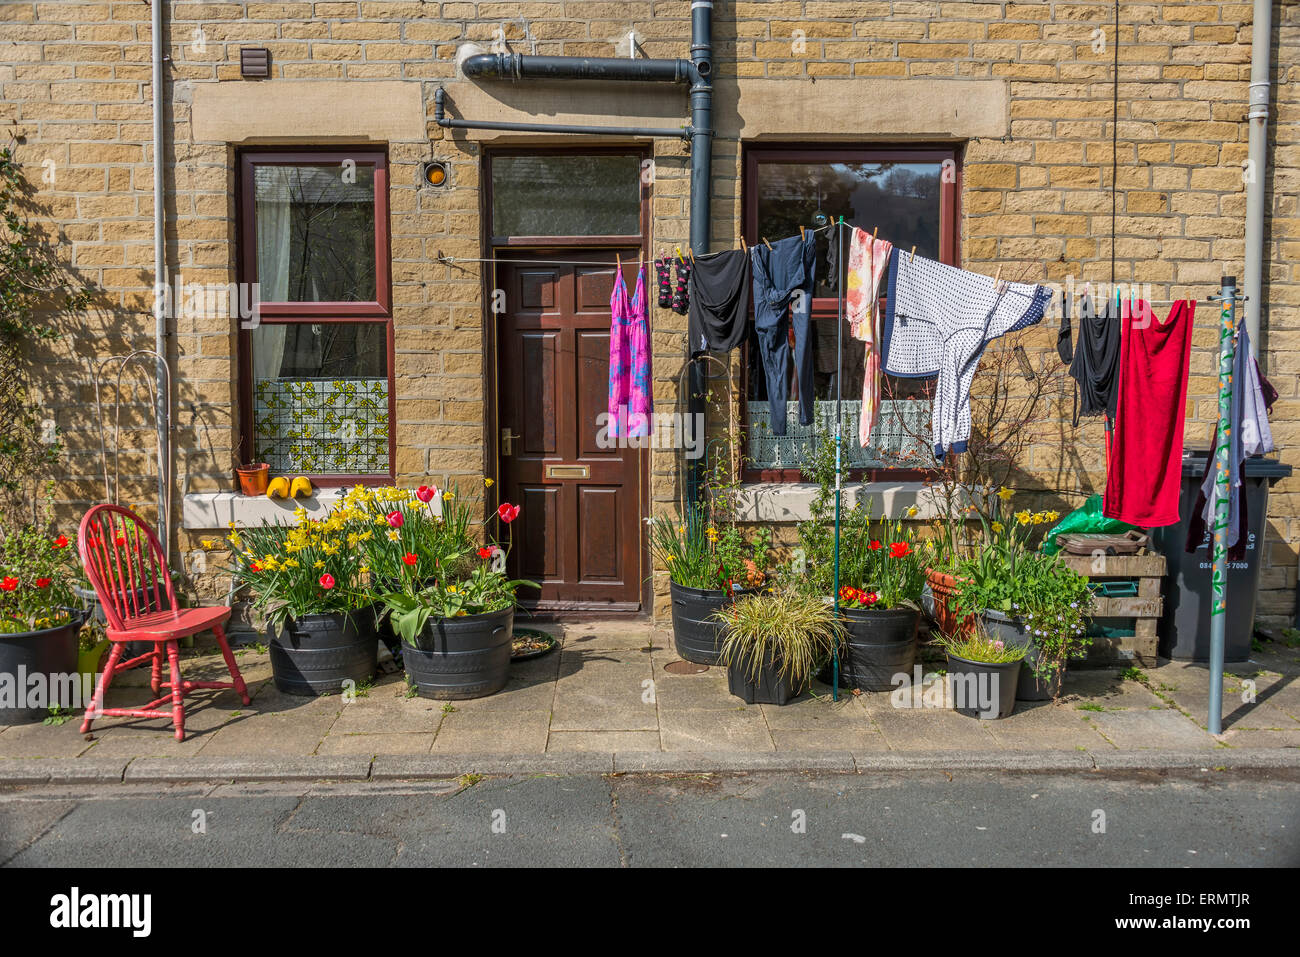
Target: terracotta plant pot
x=253 y=479
x=942 y=585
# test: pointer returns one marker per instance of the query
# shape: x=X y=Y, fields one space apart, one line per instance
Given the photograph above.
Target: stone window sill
x=204 y=511
x=792 y=501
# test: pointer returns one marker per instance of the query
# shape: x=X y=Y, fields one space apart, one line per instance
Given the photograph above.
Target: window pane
x=566 y=195
x=315 y=233
x=320 y=397
x=901 y=199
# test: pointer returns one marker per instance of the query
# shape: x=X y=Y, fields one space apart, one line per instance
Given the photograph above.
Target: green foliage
x=877 y=557
x=1040 y=590
x=979 y=645
x=789 y=628
x=37 y=574
x=700 y=554
x=33 y=284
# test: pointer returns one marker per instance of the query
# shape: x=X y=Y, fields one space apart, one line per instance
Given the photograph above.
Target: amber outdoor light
x=435 y=174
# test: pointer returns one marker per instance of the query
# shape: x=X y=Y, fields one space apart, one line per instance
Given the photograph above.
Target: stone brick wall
x=75 y=89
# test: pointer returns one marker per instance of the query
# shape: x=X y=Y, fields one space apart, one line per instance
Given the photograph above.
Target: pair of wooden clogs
x=281 y=488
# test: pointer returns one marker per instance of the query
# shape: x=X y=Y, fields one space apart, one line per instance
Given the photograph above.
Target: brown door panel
x=579 y=534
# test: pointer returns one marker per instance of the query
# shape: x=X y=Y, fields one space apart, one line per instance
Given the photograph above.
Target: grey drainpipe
x=698 y=70
x=1260 y=69
x=160 y=280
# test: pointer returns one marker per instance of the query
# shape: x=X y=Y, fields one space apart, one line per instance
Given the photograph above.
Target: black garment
x=833 y=256
x=719 y=302
x=1064 y=348
x=1095 y=366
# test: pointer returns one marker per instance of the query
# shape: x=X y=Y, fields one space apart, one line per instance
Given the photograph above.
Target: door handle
x=507 y=441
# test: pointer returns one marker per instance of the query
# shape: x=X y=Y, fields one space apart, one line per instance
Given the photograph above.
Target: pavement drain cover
x=685 y=668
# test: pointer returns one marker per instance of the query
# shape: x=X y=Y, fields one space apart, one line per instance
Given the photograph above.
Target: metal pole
x=839 y=397
x=1219 y=547
x=1257 y=116
x=701 y=188
x=162 y=372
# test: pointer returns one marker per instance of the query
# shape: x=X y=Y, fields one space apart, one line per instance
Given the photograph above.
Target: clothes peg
x=618 y=261
x=913 y=256
x=802 y=234
x=874 y=233
x=691 y=252
x=743 y=247
x=767 y=244
x=678 y=251
x=997 y=280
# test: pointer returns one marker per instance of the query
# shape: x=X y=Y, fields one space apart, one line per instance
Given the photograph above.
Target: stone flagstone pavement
x=606 y=690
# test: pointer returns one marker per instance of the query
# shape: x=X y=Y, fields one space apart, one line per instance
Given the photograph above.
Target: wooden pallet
x=1145 y=608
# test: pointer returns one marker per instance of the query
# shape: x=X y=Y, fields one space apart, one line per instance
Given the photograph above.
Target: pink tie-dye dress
x=868 y=258
x=630 y=402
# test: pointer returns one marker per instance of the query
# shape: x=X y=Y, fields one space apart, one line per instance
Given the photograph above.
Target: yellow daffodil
x=487 y=483
x=394 y=535
x=208 y=543
x=1053 y=516
x=330 y=548
x=1023 y=517
x=448 y=496
x=290 y=563
x=1038 y=517
x=319 y=563
x=1005 y=493
x=997 y=527
x=912 y=512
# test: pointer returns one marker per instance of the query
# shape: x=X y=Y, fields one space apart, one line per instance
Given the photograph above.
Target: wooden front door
x=579 y=534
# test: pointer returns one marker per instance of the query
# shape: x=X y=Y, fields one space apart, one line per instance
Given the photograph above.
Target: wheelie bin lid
x=1257 y=466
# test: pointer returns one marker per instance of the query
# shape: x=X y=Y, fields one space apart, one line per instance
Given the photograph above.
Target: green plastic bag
x=1084 y=520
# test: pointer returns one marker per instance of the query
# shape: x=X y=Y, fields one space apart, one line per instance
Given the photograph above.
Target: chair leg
x=230 y=662
x=105 y=678
x=178 y=689
x=155 y=677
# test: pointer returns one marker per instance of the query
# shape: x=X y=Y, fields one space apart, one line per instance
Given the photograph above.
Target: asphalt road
x=929 y=818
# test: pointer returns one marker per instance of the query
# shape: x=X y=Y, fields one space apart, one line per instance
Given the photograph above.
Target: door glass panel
x=902 y=199
x=320 y=397
x=566 y=195
x=315 y=232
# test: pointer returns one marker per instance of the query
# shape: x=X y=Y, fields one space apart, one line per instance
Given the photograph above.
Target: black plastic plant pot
x=769 y=687
x=457 y=658
x=982 y=689
x=697 y=636
x=1012 y=632
x=317 y=654
x=878 y=645
x=49 y=655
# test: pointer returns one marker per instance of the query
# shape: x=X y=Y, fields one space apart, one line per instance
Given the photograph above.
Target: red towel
x=1145 y=476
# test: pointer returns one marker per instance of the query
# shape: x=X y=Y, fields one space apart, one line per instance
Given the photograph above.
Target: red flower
x=395 y=519
x=507 y=512
x=255 y=567
x=900 y=549
x=869 y=598
x=410 y=559
x=424 y=493
x=120 y=540
x=874 y=545
x=9 y=583
x=485 y=553
x=43 y=582
x=61 y=541
x=327 y=581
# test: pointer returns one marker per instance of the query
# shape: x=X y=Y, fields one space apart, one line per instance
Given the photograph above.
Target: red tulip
x=327 y=581
x=9 y=583
x=874 y=545
x=507 y=512
x=424 y=493
x=485 y=553
x=61 y=541
x=43 y=582
x=255 y=567
x=900 y=549
x=120 y=540
x=395 y=519
x=410 y=559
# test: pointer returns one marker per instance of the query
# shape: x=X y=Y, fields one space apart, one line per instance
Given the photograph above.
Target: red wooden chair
x=124 y=562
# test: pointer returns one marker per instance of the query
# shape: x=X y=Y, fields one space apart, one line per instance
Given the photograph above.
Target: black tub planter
x=769 y=687
x=697 y=635
x=316 y=654
x=977 y=683
x=51 y=652
x=465 y=657
x=878 y=644
x=1013 y=633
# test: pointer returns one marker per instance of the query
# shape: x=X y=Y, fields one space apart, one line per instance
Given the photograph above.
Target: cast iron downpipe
x=698 y=71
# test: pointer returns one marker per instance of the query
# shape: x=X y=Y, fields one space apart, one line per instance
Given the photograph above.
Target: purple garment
x=630 y=403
